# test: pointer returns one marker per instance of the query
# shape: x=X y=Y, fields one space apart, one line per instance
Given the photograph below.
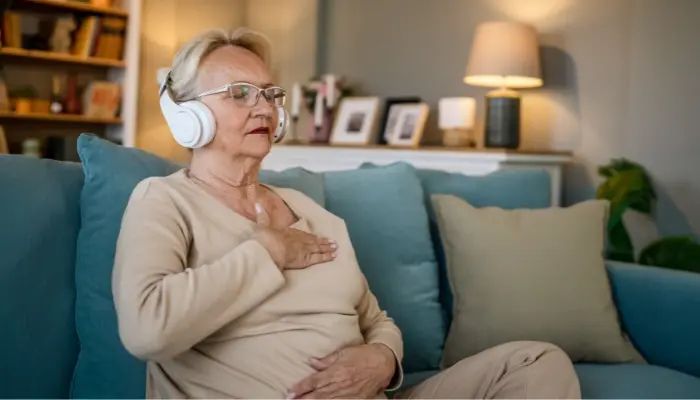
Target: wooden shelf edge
x=60 y=118
x=76 y=6
x=67 y=58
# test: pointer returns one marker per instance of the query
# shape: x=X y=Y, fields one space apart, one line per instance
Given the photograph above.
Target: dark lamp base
x=502 y=128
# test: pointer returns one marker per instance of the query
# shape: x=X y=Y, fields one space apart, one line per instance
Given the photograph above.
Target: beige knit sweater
x=211 y=312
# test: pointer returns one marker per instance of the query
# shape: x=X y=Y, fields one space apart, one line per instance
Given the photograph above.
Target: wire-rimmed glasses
x=247 y=95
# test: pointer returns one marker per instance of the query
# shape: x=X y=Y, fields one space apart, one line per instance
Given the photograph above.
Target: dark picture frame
x=384 y=118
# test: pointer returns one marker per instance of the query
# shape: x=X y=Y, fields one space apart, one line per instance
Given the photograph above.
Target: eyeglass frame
x=225 y=89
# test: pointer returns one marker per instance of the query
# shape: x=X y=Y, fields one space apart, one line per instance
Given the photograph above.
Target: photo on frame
x=355 y=121
x=410 y=123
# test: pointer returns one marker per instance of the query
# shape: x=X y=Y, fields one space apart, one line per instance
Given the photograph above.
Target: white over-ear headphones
x=192 y=122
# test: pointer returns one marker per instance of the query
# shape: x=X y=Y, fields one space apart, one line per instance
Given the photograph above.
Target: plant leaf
x=627 y=186
x=675 y=252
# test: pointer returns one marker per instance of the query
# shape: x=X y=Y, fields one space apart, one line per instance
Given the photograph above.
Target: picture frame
x=388 y=117
x=355 y=122
x=410 y=124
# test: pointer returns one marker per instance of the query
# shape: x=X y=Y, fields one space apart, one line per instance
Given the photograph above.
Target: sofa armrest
x=660 y=310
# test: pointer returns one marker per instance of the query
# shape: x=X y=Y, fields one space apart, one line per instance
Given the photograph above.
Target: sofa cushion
x=300 y=179
x=508 y=189
x=530 y=275
x=635 y=381
x=385 y=215
x=39 y=222
x=105 y=368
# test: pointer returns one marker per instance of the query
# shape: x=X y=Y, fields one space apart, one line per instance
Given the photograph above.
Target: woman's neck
x=234 y=179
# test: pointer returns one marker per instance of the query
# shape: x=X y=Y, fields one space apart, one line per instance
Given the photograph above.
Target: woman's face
x=241 y=131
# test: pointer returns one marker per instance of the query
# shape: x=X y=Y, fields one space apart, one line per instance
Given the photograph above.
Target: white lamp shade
x=456 y=113
x=504 y=54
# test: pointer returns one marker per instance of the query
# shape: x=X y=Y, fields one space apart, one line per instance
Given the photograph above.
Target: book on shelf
x=100 y=37
x=94 y=36
x=11 y=29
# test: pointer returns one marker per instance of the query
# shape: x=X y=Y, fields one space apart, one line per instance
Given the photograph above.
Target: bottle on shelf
x=56 y=98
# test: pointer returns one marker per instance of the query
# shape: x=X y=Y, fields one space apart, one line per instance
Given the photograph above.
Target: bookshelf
x=95 y=70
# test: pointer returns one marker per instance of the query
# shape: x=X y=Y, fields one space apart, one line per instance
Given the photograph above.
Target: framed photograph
x=410 y=123
x=356 y=121
x=388 y=118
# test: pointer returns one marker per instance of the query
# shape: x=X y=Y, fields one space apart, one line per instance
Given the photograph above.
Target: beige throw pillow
x=530 y=275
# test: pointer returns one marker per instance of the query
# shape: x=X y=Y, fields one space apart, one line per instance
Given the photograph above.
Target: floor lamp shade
x=504 y=55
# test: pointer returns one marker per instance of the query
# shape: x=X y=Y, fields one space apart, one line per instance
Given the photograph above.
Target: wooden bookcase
x=22 y=66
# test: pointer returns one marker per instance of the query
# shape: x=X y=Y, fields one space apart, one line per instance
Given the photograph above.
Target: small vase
x=322 y=134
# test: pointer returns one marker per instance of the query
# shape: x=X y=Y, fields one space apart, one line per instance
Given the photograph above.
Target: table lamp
x=504 y=55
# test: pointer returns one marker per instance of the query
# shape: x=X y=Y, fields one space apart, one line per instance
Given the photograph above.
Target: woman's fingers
x=318 y=258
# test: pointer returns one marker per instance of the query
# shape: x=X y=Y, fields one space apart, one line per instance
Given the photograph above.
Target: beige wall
x=166 y=25
x=620 y=78
x=620 y=75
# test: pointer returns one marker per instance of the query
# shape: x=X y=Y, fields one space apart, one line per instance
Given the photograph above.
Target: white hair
x=185 y=69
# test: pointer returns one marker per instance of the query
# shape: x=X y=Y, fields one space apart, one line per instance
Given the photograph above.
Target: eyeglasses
x=247 y=95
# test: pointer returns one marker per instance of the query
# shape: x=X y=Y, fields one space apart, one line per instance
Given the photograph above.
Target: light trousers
x=516 y=370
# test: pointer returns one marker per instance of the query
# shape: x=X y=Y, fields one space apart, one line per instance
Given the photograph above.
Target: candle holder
x=293 y=138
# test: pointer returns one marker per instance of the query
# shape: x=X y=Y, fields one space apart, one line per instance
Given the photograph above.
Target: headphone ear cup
x=282 y=125
x=202 y=133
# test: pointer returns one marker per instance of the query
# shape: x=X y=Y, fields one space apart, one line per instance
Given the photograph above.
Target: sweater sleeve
x=378 y=327
x=163 y=306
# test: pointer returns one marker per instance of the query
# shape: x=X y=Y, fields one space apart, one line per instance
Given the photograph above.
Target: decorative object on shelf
x=410 y=123
x=456 y=119
x=31 y=148
x=22 y=99
x=101 y=99
x=355 y=121
x=60 y=40
x=504 y=55
x=628 y=187
x=294 y=113
x=387 y=120
x=321 y=95
x=72 y=98
x=56 y=106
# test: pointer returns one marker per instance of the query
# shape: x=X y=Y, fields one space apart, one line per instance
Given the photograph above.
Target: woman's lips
x=260 y=131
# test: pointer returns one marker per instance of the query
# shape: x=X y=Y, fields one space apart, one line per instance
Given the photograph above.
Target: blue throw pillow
x=39 y=223
x=307 y=182
x=507 y=189
x=105 y=369
x=385 y=215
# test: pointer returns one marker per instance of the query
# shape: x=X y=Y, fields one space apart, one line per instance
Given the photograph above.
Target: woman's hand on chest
x=291 y=248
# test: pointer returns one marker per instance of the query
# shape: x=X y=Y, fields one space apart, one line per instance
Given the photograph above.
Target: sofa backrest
x=39 y=223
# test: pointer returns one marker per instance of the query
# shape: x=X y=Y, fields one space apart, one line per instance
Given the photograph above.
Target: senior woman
x=234 y=289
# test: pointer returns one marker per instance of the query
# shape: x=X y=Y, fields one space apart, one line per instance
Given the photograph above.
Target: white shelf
x=464 y=161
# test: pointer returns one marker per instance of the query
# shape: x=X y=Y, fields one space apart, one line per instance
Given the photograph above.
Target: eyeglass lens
x=247 y=95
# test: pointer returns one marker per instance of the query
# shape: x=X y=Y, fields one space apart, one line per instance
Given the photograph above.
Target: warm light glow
x=513 y=82
x=532 y=11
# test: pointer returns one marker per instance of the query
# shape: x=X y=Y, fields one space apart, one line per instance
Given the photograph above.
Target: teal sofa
x=59 y=222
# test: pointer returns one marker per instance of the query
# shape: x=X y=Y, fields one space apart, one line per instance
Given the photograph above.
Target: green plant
x=627 y=186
